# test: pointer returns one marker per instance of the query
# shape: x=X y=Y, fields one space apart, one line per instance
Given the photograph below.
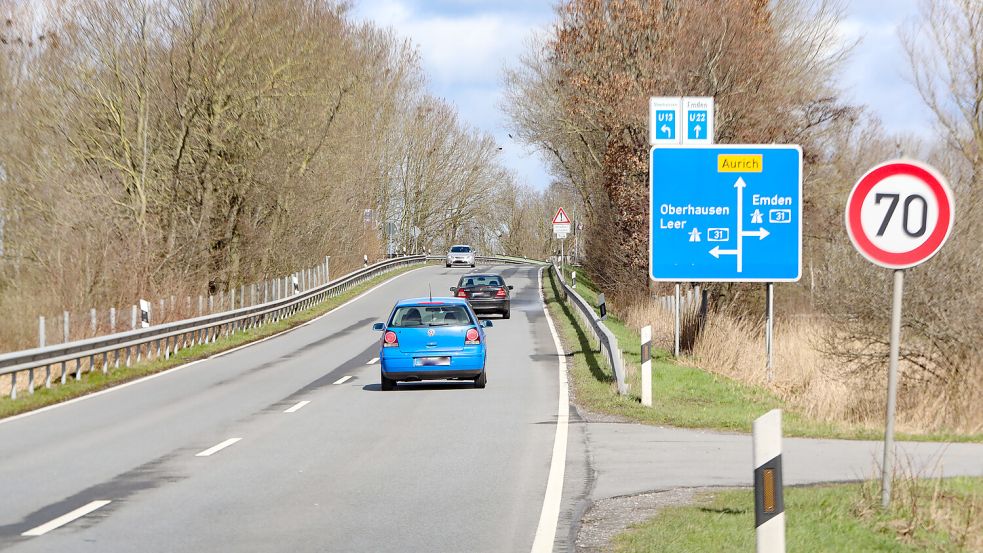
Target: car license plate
x=431 y=361
x=480 y=295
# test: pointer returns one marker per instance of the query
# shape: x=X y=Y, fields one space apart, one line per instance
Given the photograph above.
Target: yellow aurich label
x=739 y=163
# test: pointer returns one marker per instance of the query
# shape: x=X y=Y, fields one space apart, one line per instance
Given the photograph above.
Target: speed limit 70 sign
x=899 y=214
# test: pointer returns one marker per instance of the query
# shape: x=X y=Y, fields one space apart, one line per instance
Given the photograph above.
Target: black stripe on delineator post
x=769 y=499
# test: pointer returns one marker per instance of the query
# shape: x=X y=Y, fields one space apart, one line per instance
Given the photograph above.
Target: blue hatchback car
x=432 y=339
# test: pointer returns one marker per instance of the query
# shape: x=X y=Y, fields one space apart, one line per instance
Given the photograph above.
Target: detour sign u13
x=900 y=214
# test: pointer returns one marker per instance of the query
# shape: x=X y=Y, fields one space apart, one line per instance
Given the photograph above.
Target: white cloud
x=464 y=49
x=465 y=44
x=876 y=73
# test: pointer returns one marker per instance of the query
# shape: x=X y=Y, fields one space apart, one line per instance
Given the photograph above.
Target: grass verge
x=95 y=381
x=928 y=515
x=682 y=396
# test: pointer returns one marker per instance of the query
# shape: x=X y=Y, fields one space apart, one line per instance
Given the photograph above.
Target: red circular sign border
x=899 y=260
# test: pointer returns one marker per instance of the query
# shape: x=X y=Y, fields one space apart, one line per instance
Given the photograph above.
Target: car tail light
x=500 y=293
x=462 y=293
x=472 y=337
x=390 y=340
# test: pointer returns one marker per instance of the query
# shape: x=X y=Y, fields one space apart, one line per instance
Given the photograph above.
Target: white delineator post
x=647 y=366
x=769 y=503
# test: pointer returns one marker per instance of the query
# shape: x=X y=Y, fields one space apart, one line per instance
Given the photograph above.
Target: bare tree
x=582 y=97
x=197 y=145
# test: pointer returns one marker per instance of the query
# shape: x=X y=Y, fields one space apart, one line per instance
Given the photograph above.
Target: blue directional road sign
x=696 y=124
x=665 y=124
x=726 y=213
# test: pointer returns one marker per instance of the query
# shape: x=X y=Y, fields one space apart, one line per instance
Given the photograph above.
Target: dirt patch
x=609 y=517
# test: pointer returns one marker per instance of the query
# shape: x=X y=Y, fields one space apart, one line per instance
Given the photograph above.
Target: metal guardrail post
x=607 y=342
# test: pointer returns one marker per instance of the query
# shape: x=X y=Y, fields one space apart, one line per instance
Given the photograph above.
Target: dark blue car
x=432 y=339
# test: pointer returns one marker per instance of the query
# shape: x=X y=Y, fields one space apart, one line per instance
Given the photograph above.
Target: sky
x=466 y=45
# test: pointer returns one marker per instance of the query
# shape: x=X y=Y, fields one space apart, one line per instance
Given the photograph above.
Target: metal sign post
x=561 y=228
x=563 y=272
x=898 y=215
x=646 y=365
x=892 y=388
x=769 y=327
x=676 y=318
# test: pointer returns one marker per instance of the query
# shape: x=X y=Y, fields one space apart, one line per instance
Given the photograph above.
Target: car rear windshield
x=430 y=315
x=460 y=249
x=480 y=280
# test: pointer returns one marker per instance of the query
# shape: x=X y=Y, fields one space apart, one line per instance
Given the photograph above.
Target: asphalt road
x=659 y=458
x=429 y=467
x=289 y=445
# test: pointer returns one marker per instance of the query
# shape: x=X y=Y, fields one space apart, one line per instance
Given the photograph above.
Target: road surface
x=289 y=445
x=429 y=467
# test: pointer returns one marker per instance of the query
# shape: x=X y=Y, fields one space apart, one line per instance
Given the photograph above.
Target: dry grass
x=928 y=512
x=809 y=381
x=21 y=308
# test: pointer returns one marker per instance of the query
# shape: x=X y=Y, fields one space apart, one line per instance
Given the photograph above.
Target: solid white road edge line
x=373 y=361
x=343 y=379
x=297 y=407
x=217 y=447
x=550 y=515
x=195 y=362
x=66 y=518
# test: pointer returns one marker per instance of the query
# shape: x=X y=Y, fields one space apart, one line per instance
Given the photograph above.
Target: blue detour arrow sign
x=726 y=213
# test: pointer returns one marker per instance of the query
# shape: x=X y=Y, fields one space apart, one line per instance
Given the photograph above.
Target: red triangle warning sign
x=561 y=217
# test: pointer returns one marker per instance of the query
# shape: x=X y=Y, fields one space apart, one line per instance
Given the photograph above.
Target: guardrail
x=606 y=340
x=166 y=339
x=500 y=259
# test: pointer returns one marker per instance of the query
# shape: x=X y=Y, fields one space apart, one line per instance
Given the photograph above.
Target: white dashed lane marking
x=343 y=379
x=373 y=361
x=66 y=518
x=297 y=407
x=216 y=448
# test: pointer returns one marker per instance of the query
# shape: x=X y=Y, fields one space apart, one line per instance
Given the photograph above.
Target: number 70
x=905 y=213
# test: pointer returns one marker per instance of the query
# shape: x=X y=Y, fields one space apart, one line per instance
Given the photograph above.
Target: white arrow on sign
x=760 y=233
x=697 y=129
x=717 y=252
x=665 y=129
x=740 y=185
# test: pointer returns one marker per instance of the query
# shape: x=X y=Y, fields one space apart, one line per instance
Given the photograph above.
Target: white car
x=460 y=254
